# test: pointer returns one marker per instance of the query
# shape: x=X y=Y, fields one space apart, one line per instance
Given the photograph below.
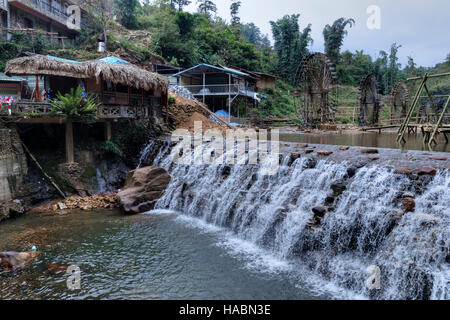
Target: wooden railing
x=31 y=109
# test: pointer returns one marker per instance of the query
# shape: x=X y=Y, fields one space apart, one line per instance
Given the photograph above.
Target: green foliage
x=125 y=10
x=112 y=147
x=171 y=100
x=334 y=37
x=291 y=45
x=234 y=11
x=279 y=102
x=206 y=7
x=73 y=105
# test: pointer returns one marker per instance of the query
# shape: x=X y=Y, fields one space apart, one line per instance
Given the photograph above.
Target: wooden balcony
x=30 y=111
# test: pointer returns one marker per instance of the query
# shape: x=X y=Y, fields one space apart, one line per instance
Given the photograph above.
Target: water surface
x=153 y=256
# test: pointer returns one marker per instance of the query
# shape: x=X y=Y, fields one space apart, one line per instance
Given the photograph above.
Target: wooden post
x=203 y=90
x=69 y=141
x=36 y=90
x=108 y=131
x=229 y=98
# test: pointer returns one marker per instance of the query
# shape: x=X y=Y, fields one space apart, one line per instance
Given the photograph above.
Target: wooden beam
x=69 y=141
x=36 y=89
x=108 y=131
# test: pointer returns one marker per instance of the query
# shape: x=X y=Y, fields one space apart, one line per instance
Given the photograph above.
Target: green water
x=158 y=256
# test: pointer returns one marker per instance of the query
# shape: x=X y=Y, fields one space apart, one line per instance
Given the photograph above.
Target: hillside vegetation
x=161 y=31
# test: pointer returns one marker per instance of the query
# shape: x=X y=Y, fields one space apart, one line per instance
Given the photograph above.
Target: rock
x=409 y=204
x=398 y=212
x=329 y=200
x=344 y=148
x=11 y=261
x=301 y=145
x=324 y=152
x=294 y=156
x=10 y=209
x=62 y=206
x=372 y=158
x=438 y=157
x=320 y=211
x=309 y=151
x=142 y=188
x=402 y=170
x=351 y=171
x=338 y=187
x=310 y=164
x=426 y=171
x=226 y=171
x=370 y=151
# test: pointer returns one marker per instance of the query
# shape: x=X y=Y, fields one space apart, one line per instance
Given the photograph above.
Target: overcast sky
x=422 y=27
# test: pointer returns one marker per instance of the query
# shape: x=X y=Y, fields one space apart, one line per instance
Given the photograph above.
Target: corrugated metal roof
x=223 y=69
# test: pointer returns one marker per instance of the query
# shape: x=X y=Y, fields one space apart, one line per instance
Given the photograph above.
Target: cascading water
x=362 y=227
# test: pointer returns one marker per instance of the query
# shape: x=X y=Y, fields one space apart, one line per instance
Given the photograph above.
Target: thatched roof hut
x=123 y=73
x=127 y=74
x=45 y=65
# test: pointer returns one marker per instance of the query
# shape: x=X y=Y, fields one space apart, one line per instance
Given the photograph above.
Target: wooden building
x=219 y=86
x=125 y=91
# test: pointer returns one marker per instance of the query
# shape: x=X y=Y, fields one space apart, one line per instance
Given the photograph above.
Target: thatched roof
x=44 y=65
x=127 y=74
x=123 y=73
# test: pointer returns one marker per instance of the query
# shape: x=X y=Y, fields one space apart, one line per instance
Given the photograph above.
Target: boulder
x=372 y=158
x=10 y=261
x=294 y=156
x=409 y=204
x=143 y=187
x=369 y=151
x=438 y=157
x=426 y=171
x=319 y=211
x=351 y=171
x=324 y=152
x=338 y=187
x=309 y=151
x=344 y=148
x=402 y=170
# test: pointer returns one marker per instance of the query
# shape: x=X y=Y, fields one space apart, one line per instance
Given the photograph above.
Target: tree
x=125 y=10
x=448 y=59
x=101 y=13
x=334 y=37
x=181 y=4
x=206 y=7
x=291 y=45
x=234 y=10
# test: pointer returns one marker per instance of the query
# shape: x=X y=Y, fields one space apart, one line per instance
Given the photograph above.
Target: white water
x=269 y=214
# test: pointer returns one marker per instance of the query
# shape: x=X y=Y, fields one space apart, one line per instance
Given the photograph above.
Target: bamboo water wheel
x=315 y=76
x=369 y=101
x=399 y=98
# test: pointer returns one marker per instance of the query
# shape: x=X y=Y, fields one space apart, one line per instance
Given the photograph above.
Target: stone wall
x=13 y=163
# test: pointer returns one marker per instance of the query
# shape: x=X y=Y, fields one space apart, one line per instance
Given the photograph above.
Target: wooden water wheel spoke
x=315 y=77
x=369 y=101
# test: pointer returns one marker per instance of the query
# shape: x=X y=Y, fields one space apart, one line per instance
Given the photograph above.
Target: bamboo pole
x=438 y=124
x=43 y=172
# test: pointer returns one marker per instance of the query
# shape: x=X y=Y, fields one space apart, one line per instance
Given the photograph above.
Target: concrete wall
x=13 y=163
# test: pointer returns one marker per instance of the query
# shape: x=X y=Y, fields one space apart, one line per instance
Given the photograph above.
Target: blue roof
x=112 y=59
x=62 y=59
x=227 y=70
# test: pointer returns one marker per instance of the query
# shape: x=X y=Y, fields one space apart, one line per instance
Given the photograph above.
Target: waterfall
x=362 y=229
